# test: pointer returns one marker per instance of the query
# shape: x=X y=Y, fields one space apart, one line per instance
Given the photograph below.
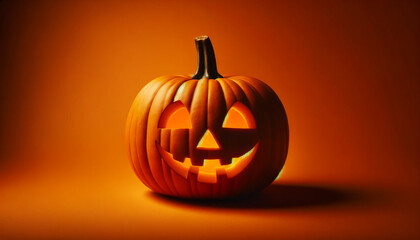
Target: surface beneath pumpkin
x=113 y=204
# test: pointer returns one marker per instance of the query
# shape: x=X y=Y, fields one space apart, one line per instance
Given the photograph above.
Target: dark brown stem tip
x=206 y=67
x=202 y=38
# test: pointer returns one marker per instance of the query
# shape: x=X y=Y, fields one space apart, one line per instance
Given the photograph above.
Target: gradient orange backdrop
x=347 y=72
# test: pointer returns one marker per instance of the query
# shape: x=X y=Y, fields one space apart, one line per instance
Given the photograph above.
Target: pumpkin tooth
x=187 y=162
x=207 y=172
x=207 y=177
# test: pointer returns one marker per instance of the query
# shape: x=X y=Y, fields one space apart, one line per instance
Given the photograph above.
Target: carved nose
x=208 y=142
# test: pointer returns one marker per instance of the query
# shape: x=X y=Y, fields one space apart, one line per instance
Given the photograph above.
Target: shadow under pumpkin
x=287 y=196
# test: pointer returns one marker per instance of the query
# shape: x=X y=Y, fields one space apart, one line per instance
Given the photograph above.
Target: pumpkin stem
x=206 y=67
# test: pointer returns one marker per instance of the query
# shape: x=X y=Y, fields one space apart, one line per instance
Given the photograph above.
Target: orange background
x=347 y=72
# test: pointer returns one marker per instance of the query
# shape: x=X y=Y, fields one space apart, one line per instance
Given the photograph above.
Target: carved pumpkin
x=207 y=136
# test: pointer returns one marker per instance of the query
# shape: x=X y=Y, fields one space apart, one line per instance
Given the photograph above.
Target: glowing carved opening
x=175 y=115
x=208 y=142
x=239 y=116
x=211 y=168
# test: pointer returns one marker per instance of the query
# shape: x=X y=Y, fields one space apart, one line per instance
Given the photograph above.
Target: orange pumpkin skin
x=152 y=148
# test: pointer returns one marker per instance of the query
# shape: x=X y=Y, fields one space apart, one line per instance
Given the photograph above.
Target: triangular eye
x=175 y=115
x=239 y=116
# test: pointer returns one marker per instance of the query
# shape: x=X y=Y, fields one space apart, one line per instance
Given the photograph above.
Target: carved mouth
x=211 y=168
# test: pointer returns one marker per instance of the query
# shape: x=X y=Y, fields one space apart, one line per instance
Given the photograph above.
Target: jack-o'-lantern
x=207 y=136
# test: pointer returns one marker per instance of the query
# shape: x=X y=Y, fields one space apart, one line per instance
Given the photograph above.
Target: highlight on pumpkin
x=208 y=142
x=175 y=115
x=239 y=116
x=278 y=175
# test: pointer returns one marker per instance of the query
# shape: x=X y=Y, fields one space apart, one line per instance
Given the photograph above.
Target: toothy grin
x=211 y=168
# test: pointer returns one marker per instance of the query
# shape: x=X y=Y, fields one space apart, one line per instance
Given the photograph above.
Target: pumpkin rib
x=242 y=97
x=167 y=171
x=183 y=76
x=198 y=119
x=193 y=186
x=133 y=150
x=204 y=189
x=216 y=112
x=141 y=138
x=230 y=99
x=169 y=100
x=128 y=135
x=141 y=130
x=151 y=89
x=177 y=143
x=255 y=104
x=239 y=96
x=168 y=178
x=178 y=183
x=186 y=97
x=216 y=105
x=156 y=109
x=281 y=124
x=276 y=159
x=187 y=93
